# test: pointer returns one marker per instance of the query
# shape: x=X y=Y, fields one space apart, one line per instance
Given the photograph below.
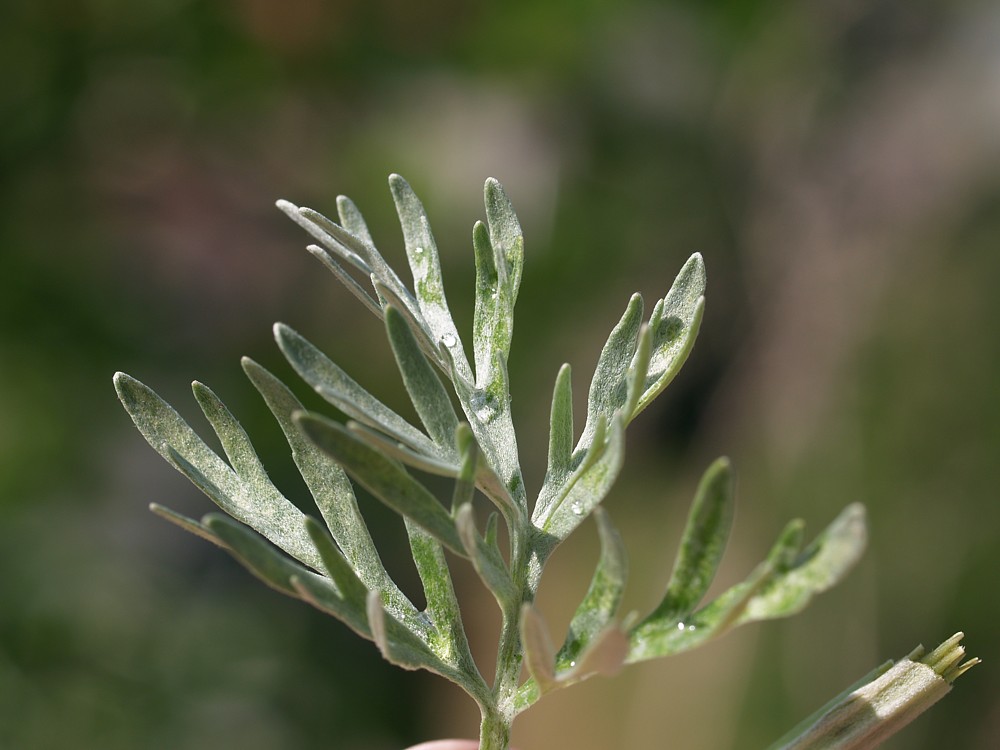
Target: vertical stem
x=497 y=719
x=494 y=731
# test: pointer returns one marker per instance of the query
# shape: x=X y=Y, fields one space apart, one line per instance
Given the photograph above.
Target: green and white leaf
x=250 y=498
x=337 y=387
x=597 y=612
x=385 y=478
x=428 y=286
x=674 y=323
x=702 y=544
x=426 y=391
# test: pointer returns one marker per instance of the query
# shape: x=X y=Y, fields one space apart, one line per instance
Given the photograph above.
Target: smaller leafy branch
x=332 y=563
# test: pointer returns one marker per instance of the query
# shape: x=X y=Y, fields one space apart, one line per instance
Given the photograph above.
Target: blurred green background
x=838 y=165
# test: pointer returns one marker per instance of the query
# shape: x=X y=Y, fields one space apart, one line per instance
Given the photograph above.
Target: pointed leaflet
x=506 y=238
x=780 y=586
x=448 y=639
x=339 y=389
x=355 y=250
x=609 y=386
x=424 y=386
x=485 y=558
x=499 y=251
x=402 y=648
x=654 y=638
x=491 y=326
x=349 y=586
x=821 y=565
x=249 y=498
x=430 y=346
x=297 y=215
x=465 y=481
x=489 y=418
x=600 y=604
x=560 y=430
x=345 y=278
x=702 y=545
x=272 y=509
x=383 y=477
x=422 y=254
x=188 y=524
x=674 y=324
x=332 y=492
x=352 y=220
x=284 y=575
x=588 y=485
x=400 y=452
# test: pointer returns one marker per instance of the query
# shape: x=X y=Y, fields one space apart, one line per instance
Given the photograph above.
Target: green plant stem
x=498 y=718
x=494 y=730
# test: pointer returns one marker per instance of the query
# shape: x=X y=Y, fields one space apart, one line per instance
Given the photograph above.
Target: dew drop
x=483 y=406
x=449 y=340
x=691 y=628
x=572 y=663
x=418 y=251
x=680 y=626
x=577 y=509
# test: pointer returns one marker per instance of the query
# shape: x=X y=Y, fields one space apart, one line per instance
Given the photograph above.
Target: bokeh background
x=838 y=164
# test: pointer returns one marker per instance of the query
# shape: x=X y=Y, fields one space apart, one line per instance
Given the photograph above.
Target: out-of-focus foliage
x=851 y=144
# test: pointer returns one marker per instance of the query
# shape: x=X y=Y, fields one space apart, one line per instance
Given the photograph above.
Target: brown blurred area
x=836 y=163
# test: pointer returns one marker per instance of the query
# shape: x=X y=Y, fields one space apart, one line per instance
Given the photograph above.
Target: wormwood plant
x=333 y=563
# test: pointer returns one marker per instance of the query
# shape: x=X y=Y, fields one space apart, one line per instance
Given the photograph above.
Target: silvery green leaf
x=674 y=324
x=349 y=246
x=422 y=254
x=447 y=639
x=188 y=524
x=352 y=220
x=332 y=492
x=249 y=498
x=284 y=575
x=499 y=252
x=492 y=322
x=779 y=586
x=349 y=586
x=586 y=487
x=345 y=278
x=635 y=376
x=403 y=453
x=820 y=566
x=429 y=345
x=427 y=393
x=339 y=389
x=384 y=478
x=702 y=544
x=272 y=513
x=506 y=238
x=609 y=386
x=465 y=480
x=489 y=418
x=485 y=558
x=560 y=430
x=299 y=216
x=600 y=604
x=259 y=557
x=404 y=649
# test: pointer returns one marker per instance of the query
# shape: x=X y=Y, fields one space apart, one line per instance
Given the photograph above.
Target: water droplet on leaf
x=449 y=340
x=577 y=509
x=483 y=406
